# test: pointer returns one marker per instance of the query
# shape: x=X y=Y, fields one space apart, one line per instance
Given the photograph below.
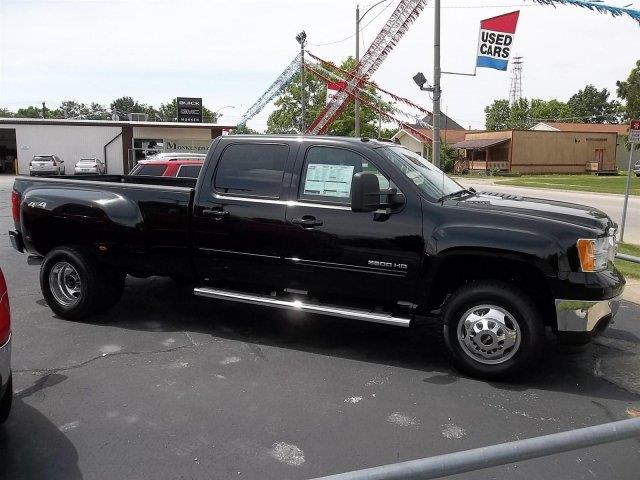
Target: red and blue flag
x=496 y=40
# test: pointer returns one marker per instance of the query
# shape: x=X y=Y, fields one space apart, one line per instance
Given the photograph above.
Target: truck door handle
x=215 y=212
x=307 y=221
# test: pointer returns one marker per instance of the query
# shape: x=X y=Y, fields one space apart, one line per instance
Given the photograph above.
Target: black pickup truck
x=347 y=227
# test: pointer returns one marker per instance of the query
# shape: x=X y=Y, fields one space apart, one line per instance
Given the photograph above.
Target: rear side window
x=189 y=171
x=252 y=169
x=149 y=170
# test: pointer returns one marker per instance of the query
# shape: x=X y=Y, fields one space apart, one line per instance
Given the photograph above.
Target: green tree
x=520 y=115
x=73 y=109
x=629 y=91
x=29 y=112
x=286 y=117
x=497 y=115
x=387 y=132
x=6 y=113
x=97 y=112
x=448 y=157
x=244 y=130
x=125 y=105
x=591 y=105
x=551 y=110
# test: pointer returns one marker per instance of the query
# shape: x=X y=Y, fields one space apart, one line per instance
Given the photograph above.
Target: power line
x=353 y=34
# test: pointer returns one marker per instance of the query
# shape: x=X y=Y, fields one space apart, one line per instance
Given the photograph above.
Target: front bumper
x=5 y=366
x=585 y=315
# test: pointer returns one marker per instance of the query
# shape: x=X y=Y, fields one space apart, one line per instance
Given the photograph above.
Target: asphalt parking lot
x=169 y=386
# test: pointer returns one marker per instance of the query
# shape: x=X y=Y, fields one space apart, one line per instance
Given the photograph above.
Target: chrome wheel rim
x=65 y=284
x=489 y=334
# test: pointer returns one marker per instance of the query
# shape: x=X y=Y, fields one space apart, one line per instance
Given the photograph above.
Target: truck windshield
x=429 y=178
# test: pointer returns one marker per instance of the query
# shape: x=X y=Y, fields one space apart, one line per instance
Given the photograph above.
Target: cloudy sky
x=228 y=52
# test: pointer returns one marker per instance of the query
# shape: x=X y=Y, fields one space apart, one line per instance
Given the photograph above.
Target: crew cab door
x=345 y=257
x=239 y=214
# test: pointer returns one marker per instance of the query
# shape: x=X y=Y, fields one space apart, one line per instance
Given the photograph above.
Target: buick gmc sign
x=189 y=109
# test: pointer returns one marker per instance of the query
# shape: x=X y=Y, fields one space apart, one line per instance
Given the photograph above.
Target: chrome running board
x=302 y=307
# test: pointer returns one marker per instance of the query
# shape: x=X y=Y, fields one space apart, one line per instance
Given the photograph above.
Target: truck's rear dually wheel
x=491 y=329
x=75 y=285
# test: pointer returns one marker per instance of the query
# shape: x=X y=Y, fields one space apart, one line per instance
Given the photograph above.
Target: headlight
x=596 y=253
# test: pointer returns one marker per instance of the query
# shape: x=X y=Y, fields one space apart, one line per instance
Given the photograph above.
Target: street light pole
x=302 y=40
x=217 y=114
x=358 y=20
x=436 y=85
x=357 y=102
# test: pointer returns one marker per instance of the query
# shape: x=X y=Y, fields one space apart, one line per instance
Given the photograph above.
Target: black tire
x=5 y=402
x=521 y=310
x=92 y=282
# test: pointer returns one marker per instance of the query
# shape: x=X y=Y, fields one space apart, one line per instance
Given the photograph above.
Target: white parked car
x=46 y=165
x=636 y=168
x=89 y=166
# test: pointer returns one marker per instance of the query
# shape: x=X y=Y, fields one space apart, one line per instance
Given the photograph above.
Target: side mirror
x=365 y=192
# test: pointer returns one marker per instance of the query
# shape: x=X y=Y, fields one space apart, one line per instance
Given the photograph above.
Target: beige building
x=621 y=130
x=118 y=144
x=538 y=151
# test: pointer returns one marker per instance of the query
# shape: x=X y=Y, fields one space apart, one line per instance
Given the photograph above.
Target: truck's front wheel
x=72 y=282
x=491 y=329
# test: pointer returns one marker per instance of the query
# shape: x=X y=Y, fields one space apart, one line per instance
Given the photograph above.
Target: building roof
x=480 y=143
x=619 y=128
x=108 y=123
x=450 y=136
x=446 y=122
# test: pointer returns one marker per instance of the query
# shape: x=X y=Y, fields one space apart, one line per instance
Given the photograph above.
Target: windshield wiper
x=468 y=191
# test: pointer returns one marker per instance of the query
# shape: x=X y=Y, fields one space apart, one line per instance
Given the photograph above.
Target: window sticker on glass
x=328 y=180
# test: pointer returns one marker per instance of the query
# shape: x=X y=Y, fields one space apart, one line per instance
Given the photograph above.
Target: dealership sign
x=496 y=40
x=189 y=109
x=186 y=146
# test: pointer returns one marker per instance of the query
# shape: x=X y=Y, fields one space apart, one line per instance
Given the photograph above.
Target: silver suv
x=46 y=165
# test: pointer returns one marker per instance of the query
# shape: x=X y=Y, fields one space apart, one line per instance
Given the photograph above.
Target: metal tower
x=395 y=28
x=515 y=92
x=274 y=90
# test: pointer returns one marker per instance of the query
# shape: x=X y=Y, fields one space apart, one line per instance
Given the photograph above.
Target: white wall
x=182 y=133
x=411 y=143
x=69 y=142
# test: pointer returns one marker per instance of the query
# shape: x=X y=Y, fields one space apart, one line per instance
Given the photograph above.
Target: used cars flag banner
x=496 y=39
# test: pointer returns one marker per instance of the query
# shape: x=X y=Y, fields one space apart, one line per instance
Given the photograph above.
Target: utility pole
x=626 y=194
x=436 y=84
x=302 y=40
x=357 y=102
x=358 y=20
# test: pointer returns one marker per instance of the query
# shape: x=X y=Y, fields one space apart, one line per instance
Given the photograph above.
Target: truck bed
x=138 y=223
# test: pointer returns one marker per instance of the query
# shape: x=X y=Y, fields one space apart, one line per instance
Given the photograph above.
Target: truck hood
x=571 y=213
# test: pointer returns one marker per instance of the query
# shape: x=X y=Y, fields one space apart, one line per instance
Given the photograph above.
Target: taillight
x=15 y=207
x=5 y=313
